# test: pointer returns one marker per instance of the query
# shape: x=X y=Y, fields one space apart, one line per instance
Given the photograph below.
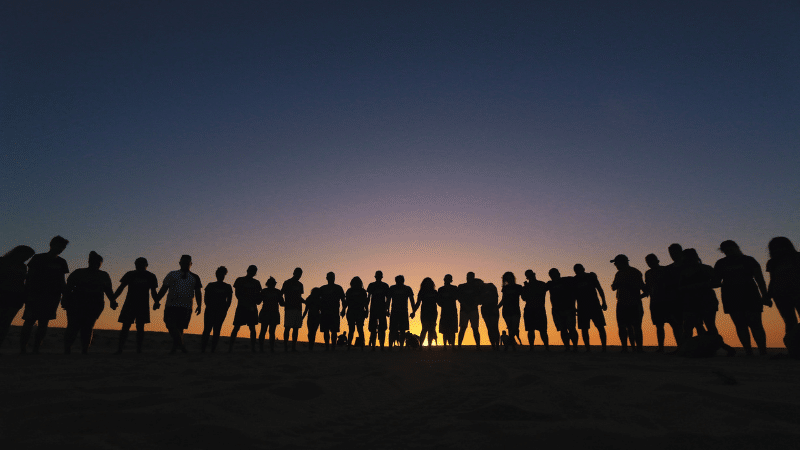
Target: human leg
x=232 y=340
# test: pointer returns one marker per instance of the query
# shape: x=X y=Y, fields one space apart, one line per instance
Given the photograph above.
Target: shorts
x=214 y=317
x=512 y=323
x=399 y=321
x=293 y=318
x=355 y=320
x=84 y=315
x=245 y=316
x=469 y=318
x=535 y=319
x=429 y=325
x=329 y=323
x=564 y=319
x=41 y=307
x=448 y=324
x=629 y=316
x=133 y=311
x=377 y=321
x=177 y=317
x=594 y=315
x=270 y=317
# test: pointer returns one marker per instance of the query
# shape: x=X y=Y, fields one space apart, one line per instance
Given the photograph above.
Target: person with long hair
x=697 y=282
x=448 y=323
x=44 y=286
x=141 y=285
x=398 y=300
x=356 y=310
x=313 y=311
x=426 y=300
x=12 y=285
x=784 y=281
x=270 y=315
x=182 y=287
x=744 y=294
x=247 y=290
x=218 y=298
x=85 y=302
x=511 y=312
x=534 y=293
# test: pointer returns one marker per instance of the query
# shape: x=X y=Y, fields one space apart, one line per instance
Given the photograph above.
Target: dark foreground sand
x=403 y=400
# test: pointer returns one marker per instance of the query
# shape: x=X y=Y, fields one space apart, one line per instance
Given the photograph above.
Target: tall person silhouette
x=377 y=292
x=218 y=298
x=469 y=296
x=141 y=284
x=270 y=315
x=84 y=302
x=448 y=324
x=426 y=299
x=331 y=295
x=784 y=281
x=356 y=310
x=675 y=299
x=182 y=287
x=586 y=287
x=697 y=282
x=630 y=287
x=399 y=297
x=534 y=293
x=562 y=302
x=744 y=294
x=248 y=291
x=662 y=309
x=12 y=285
x=511 y=312
x=45 y=285
x=490 y=312
x=292 y=290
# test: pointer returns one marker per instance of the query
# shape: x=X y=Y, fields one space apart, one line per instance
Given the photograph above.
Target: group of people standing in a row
x=681 y=295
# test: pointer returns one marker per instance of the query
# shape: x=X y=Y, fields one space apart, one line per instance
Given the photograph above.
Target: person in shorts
x=218 y=298
x=331 y=295
x=377 y=292
x=469 y=296
x=247 y=290
x=292 y=290
x=399 y=297
x=662 y=311
x=270 y=315
x=630 y=288
x=586 y=286
x=141 y=284
x=534 y=315
x=182 y=287
x=562 y=301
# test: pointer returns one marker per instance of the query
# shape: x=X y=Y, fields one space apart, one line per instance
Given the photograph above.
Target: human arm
x=109 y=291
x=198 y=295
x=159 y=295
x=603 y=294
x=762 y=285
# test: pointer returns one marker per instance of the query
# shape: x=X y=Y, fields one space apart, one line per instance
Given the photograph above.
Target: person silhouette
x=697 y=282
x=331 y=295
x=356 y=309
x=784 y=281
x=662 y=310
x=469 y=296
x=504 y=341
x=313 y=311
x=672 y=290
x=510 y=304
x=586 y=287
x=45 y=285
x=744 y=294
x=490 y=311
x=377 y=292
x=12 y=285
x=292 y=290
x=426 y=299
x=534 y=315
x=218 y=298
x=141 y=284
x=629 y=285
x=182 y=287
x=270 y=315
x=562 y=302
x=248 y=291
x=398 y=300
x=341 y=340
x=85 y=289
x=448 y=323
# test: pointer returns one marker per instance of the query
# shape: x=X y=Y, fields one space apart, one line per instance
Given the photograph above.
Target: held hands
x=114 y=305
x=156 y=305
x=413 y=314
x=197 y=311
x=605 y=307
x=342 y=314
x=766 y=301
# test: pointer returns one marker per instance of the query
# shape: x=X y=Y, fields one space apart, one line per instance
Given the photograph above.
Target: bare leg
x=25 y=335
x=216 y=331
x=601 y=330
x=294 y=338
x=123 y=336
x=234 y=332
x=585 y=336
x=261 y=335
x=660 y=335
x=41 y=332
x=139 y=336
x=252 y=338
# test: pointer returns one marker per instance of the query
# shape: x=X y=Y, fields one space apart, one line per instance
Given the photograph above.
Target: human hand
x=342 y=313
x=156 y=305
x=605 y=307
x=197 y=311
x=114 y=305
x=413 y=314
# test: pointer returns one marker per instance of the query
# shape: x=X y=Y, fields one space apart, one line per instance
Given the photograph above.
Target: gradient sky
x=420 y=138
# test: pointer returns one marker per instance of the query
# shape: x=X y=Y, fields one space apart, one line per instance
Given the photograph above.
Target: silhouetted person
x=562 y=302
x=697 y=282
x=218 y=298
x=377 y=292
x=512 y=292
x=12 y=285
x=662 y=309
x=534 y=315
x=784 y=281
x=341 y=340
x=469 y=296
x=672 y=284
x=586 y=287
x=398 y=300
x=504 y=341
x=356 y=309
x=248 y=291
x=270 y=315
x=331 y=295
x=85 y=289
x=44 y=285
x=426 y=299
x=141 y=285
x=181 y=287
x=490 y=311
x=744 y=294
x=313 y=311
x=629 y=284
x=292 y=290
x=448 y=323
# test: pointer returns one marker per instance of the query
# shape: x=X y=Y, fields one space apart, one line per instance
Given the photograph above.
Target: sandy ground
x=403 y=399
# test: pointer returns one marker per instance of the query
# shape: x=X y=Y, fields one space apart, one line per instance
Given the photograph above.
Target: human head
x=578 y=269
x=651 y=260
x=331 y=277
x=554 y=274
x=95 y=260
x=356 y=283
x=448 y=279
x=400 y=280
x=621 y=261
x=509 y=278
x=378 y=275
x=730 y=248
x=675 y=252
x=780 y=246
x=251 y=271
x=427 y=285
x=221 y=272
x=185 y=263
x=690 y=256
x=470 y=276
x=271 y=282
x=20 y=253
x=140 y=263
x=58 y=244
x=530 y=275
x=298 y=272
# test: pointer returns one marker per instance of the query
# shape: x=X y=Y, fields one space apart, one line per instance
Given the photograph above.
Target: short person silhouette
x=141 y=284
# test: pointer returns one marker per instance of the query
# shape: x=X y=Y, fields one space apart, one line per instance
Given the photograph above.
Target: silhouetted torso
x=511 y=296
x=247 y=291
x=330 y=296
x=356 y=304
x=271 y=299
x=584 y=286
x=656 y=281
x=447 y=298
x=292 y=294
x=489 y=301
x=137 y=301
x=469 y=296
x=12 y=282
x=784 y=280
x=88 y=287
x=181 y=288
x=400 y=296
x=216 y=297
x=44 y=284
x=378 y=290
x=561 y=295
x=739 y=288
x=629 y=284
x=429 y=312
x=696 y=283
x=534 y=294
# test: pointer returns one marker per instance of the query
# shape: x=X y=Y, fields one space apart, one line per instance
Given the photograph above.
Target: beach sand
x=386 y=400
